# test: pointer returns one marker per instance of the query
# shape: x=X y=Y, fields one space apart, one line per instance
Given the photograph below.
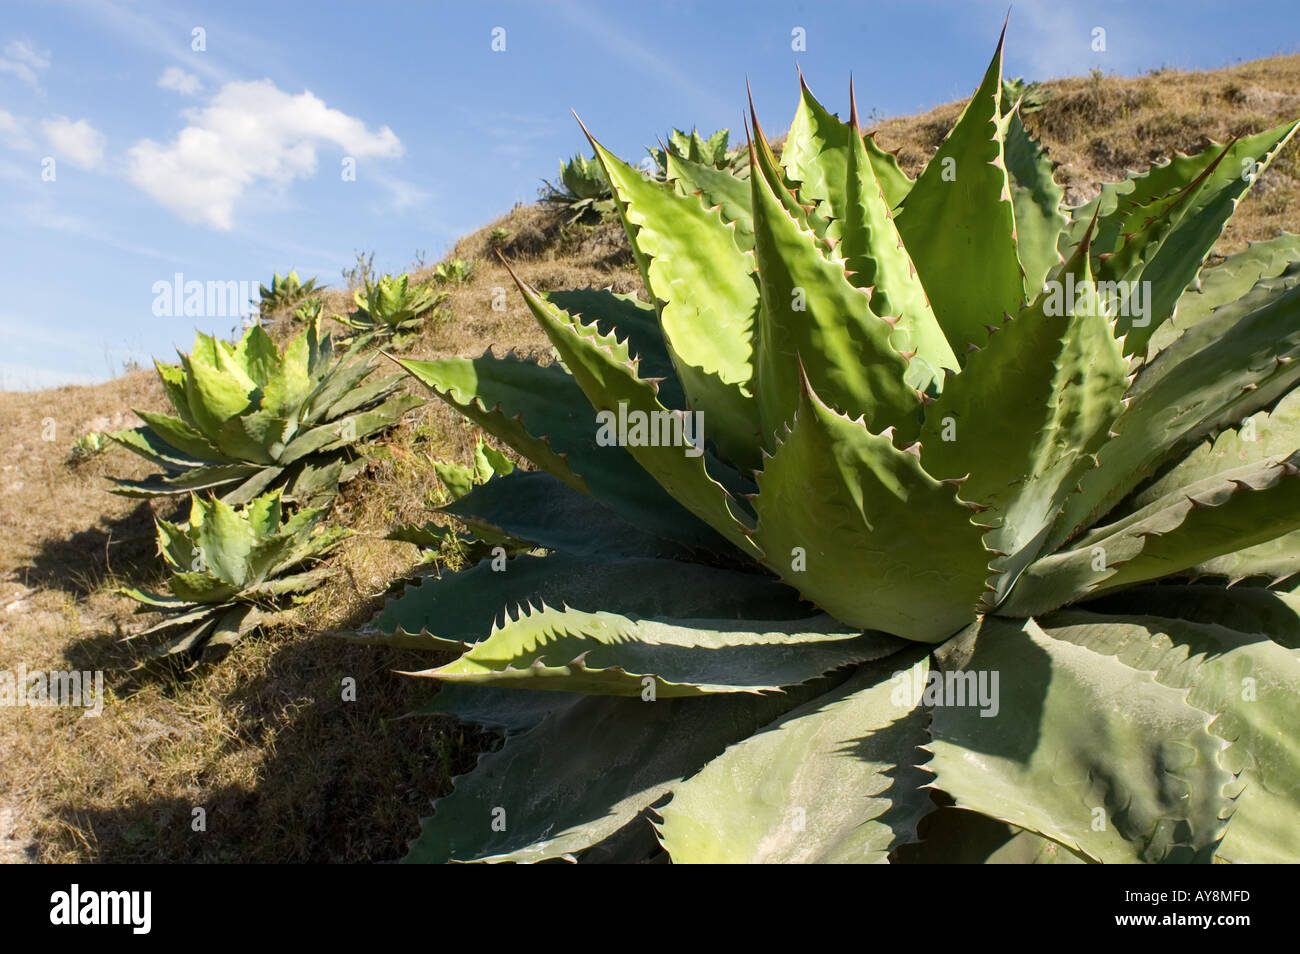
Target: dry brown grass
x=285 y=769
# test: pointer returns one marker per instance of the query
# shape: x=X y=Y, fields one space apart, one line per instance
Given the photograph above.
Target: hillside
x=285 y=769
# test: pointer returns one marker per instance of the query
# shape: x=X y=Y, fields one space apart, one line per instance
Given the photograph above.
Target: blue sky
x=225 y=164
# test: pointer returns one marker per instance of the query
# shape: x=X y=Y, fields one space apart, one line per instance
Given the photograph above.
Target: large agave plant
x=250 y=417
x=953 y=553
x=230 y=569
x=392 y=308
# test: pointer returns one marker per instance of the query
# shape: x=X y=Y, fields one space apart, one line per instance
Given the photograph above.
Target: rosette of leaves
x=454 y=271
x=251 y=417
x=232 y=570
x=285 y=292
x=951 y=578
x=392 y=309
x=697 y=149
x=583 y=191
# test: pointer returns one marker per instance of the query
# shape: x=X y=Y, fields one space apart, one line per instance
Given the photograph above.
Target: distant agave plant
x=309 y=311
x=231 y=570
x=696 y=149
x=454 y=271
x=285 y=292
x=250 y=417
x=583 y=190
x=962 y=524
x=391 y=308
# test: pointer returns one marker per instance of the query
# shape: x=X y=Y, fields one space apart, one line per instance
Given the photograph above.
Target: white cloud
x=12 y=132
x=24 y=61
x=250 y=132
x=177 y=80
x=79 y=143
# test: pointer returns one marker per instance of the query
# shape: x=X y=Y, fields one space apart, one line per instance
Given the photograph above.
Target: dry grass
x=284 y=768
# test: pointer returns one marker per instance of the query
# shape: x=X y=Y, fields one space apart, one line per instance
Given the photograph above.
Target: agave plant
x=951 y=554
x=712 y=151
x=231 y=568
x=250 y=417
x=583 y=190
x=454 y=271
x=391 y=308
x=285 y=292
x=309 y=311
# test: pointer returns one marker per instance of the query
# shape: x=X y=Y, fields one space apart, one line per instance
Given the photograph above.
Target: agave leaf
x=188 y=481
x=878 y=261
x=179 y=435
x=214 y=396
x=584 y=773
x=543 y=414
x=956 y=836
x=894 y=182
x=834 y=532
x=680 y=244
x=1224 y=284
x=608 y=376
x=1233 y=363
x=632 y=321
x=1024 y=419
x=811 y=311
x=258 y=356
x=150 y=445
x=1084 y=749
x=958 y=221
x=719 y=189
x=832 y=781
x=538 y=508
x=224 y=540
x=464 y=606
x=1036 y=199
x=1249 y=682
x=1228 y=511
x=1210 y=185
x=611 y=654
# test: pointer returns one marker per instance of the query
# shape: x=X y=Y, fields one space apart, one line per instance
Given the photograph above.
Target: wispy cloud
x=23 y=60
x=13 y=132
x=249 y=133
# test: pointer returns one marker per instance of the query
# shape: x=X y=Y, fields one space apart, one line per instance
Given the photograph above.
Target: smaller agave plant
x=455 y=271
x=309 y=311
x=231 y=571
x=250 y=418
x=285 y=292
x=391 y=308
x=584 y=191
x=708 y=152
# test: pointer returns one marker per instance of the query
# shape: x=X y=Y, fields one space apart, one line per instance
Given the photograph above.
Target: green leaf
x=607 y=653
x=1219 y=514
x=811 y=312
x=719 y=189
x=681 y=245
x=608 y=376
x=1249 y=682
x=584 y=773
x=465 y=606
x=1025 y=417
x=181 y=436
x=833 y=781
x=886 y=546
x=1083 y=749
x=1036 y=200
x=958 y=221
x=1233 y=363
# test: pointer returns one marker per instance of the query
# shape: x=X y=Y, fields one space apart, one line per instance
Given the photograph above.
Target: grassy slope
x=283 y=767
